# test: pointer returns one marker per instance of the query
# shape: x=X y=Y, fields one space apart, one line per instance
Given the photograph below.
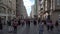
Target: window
x=9 y=11
x=2 y=10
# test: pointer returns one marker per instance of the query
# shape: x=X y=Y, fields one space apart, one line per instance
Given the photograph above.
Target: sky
x=28 y=4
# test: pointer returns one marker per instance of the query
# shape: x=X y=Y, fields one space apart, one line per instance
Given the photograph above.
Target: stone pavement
x=55 y=30
x=29 y=30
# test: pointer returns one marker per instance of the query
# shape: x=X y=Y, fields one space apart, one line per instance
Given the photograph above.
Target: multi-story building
x=52 y=7
x=7 y=9
x=24 y=13
x=32 y=11
x=20 y=9
x=55 y=13
x=41 y=9
x=37 y=9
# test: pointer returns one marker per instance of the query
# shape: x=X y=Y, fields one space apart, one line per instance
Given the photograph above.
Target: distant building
x=24 y=13
x=39 y=8
x=32 y=11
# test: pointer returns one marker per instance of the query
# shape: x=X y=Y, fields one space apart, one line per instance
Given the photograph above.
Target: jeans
x=15 y=29
x=40 y=31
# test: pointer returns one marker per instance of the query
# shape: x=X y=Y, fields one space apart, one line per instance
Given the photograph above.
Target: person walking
x=9 y=25
x=41 y=28
x=49 y=25
x=39 y=20
x=56 y=25
x=15 y=24
x=1 y=26
x=28 y=22
x=19 y=21
x=22 y=22
x=35 y=22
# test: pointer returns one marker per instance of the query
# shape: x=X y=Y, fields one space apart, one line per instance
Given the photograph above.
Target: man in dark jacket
x=28 y=22
x=9 y=23
x=19 y=22
x=35 y=22
x=0 y=24
x=39 y=20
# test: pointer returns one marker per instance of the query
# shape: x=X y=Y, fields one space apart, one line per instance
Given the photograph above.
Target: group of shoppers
x=13 y=24
x=49 y=25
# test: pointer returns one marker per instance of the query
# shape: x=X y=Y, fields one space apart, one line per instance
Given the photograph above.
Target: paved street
x=29 y=30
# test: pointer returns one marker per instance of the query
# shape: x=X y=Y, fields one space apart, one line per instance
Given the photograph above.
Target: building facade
x=24 y=13
x=55 y=14
x=20 y=9
x=37 y=9
x=32 y=11
x=40 y=9
x=7 y=9
x=52 y=8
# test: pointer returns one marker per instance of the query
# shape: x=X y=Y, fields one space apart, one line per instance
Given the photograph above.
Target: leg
x=40 y=32
x=47 y=27
x=51 y=28
x=15 y=29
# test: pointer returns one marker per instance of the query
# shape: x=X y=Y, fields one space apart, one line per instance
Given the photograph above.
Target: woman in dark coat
x=0 y=26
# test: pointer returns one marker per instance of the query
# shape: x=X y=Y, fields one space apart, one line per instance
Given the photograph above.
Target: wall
x=55 y=16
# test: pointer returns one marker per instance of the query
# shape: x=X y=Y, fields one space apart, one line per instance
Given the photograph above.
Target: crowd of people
x=49 y=25
x=15 y=23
